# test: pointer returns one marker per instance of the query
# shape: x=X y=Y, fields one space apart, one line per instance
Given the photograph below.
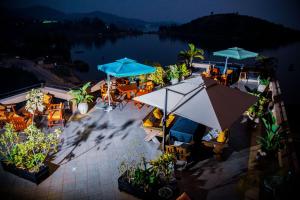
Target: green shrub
x=148 y=174
x=158 y=77
x=30 y=153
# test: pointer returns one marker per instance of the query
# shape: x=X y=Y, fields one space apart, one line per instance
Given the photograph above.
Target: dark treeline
x=226 y=30
x=36 y=38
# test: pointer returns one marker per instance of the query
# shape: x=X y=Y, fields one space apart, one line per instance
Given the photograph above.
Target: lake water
x=150 y=47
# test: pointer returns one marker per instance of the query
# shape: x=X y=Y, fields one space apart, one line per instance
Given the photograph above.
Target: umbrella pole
x=225 y=68
x=165 y=121
x=109 y=108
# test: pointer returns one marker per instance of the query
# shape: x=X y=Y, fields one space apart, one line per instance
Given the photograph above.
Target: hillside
x=231 y=30
x=46 y=13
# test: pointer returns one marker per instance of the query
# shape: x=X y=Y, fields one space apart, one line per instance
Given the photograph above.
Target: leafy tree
x=187 y=56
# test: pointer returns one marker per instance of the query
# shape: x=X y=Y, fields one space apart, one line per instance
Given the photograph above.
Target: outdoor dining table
x=128 y=89
x=184 y=130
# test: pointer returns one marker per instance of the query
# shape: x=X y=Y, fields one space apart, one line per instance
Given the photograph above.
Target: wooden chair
x=224 y=77
x=182 y=153
x=138 y=104
x=216 y=146
x=6 y=112
x=55 y=116
x=215 y=71
x=20 y=123
x=170 y=149
x=117 y=101
x=122 y=81
x=47 y=100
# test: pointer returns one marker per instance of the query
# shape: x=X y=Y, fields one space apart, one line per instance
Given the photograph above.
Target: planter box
x=36 y=177
x=123 y=185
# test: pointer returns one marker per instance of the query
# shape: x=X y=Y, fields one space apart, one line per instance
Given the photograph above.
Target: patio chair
x=138 y=104
x=170 y=149
x=218 y=144
x=122 y=81
x=55 y=116
x=47 y=100
x=182 y=153
x=117 y=101
x=6 y=112
x=20 y=123
x=215 y=72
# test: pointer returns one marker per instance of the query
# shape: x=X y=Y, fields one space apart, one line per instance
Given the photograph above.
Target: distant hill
x=46 y=13
x=224 y=30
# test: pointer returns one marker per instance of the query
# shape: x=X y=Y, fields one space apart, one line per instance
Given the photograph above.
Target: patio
x=95 y=145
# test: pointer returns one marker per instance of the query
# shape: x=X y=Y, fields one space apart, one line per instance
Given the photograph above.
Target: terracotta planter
x=36 y=177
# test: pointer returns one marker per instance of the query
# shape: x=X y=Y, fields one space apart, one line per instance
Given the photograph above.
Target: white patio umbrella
x=201 y=100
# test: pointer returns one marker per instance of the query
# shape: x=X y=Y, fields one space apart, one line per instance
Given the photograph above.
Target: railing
x=220 y=62
x=38 y=85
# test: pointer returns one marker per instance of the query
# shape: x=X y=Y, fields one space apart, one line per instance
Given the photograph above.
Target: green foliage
x=81 y=95
x=173 y=72
x=8 y=141
x=264 y=81
x=187 y=56
x=148 y=174
x=259 y=108
x=29 y=153
x=158 y=76
x=271 y=141
x=35 y=101
x=183 y=70
x=143 y=78
x=163 y=165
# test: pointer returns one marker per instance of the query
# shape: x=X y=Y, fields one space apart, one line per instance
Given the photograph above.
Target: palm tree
x=188 y=55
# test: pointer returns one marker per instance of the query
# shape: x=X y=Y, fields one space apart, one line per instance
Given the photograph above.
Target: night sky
x=286 y=12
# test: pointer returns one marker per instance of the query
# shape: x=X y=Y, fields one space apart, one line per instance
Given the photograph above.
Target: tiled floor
x=95 y=145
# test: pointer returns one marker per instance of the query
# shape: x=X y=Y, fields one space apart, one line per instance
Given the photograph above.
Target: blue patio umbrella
x=124 y=68
x=236 y=53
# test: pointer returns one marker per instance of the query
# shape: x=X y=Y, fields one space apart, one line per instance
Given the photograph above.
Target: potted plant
x=183 y=71
x=27 y=157
x=82 y=98
x=271 y=141
x=146 y=179
x=173 y=74
x=35 y=102
x=158 y=77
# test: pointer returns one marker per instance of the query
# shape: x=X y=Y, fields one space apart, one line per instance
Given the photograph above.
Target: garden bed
x=36 y=177
x=139 y=192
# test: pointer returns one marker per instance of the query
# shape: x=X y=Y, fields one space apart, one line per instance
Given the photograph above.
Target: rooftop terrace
x=95 y=144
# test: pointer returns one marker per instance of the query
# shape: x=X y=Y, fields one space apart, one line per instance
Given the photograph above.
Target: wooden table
x=128 y=89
